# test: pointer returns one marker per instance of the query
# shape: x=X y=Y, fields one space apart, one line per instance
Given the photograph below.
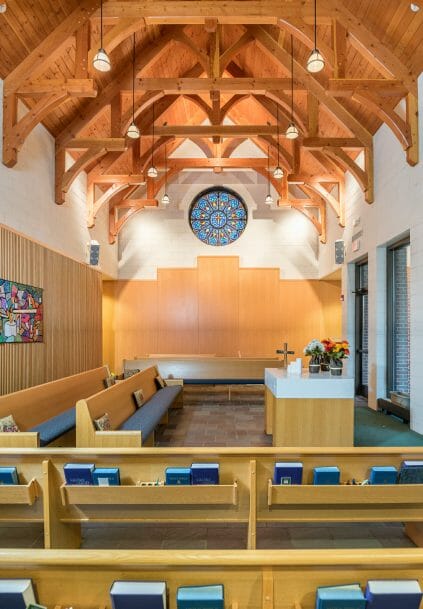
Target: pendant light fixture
x=152 y=171
x=278 y=173
x=315 y=62
x=165 y=198
x=133 y=131
x=101 y=61
x=292 y=131
x=269 y=199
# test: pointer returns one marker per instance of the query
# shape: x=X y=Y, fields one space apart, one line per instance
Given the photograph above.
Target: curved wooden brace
x=378 y=106
x=285 y=158
x=317 y=225
x=104 y=198
x=141 y=106
x=304 y=33
x=230 y=53
x=203 y=145
x=199 y=101
x=337 y=206
x=285 y=105
x=14 y=135
x=230 y=104
x=348 y=164
x=231 y=145
x=113 y=204
x=113 y=38
x=79 y=165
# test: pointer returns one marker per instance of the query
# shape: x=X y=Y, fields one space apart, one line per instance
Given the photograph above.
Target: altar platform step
x=224 y=394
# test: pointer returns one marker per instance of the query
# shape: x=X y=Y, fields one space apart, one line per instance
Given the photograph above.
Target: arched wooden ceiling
x=217 y=72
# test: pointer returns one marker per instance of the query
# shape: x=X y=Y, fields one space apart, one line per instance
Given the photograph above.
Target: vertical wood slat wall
x=72 y=314
x=217 y=308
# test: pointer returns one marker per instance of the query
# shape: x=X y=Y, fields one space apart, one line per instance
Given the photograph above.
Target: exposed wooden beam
x=82 y=46
x=102 y=200
x=259 y=86
x=69 y=176
x=412 y=118
x=116 y=144
x=338 y=142
x=349 y=165
x=369 y=168
x=74 y=87
x=230 y=53
x=346 y=87
x=247 y=163
x=230 y=11
x=51 y=46
x=215 y=130
x=313 y=115
x=339 y=43
x=129 y=179
x=339 y=112
x=380 y=52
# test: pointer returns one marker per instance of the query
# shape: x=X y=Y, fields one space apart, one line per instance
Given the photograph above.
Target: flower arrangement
x=315 y=350
x=336 y=350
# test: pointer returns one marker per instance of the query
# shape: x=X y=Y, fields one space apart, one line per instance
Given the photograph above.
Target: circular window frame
x=217 y=189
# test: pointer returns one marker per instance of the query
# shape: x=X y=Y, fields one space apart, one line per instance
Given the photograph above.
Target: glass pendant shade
x=101 y=61
x=152 y=172
x=292 y=132
x=315 y=62
x=165 y=199
x=278 y=173
x=269 y=199
x=133 y=131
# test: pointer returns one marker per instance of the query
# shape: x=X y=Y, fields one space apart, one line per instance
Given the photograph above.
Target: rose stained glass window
x=218 y=216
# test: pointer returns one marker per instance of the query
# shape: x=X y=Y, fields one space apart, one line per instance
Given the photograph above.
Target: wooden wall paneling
x=177 y=311
x=136 y=319
x=72 y=314
x=108 y=330
x=218 y=304
x=330 y=295
x=259 y=319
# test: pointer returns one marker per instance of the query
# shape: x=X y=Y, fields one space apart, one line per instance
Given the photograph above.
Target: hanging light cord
x=277 y=120
x=133 y=81
x=165 y=169
x=292 y=78
x=315 y=24
x=268 y=167
x=152 y=147
x=101 y=24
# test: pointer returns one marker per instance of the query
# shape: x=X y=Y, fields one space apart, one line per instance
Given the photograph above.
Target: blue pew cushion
x=56 y=426
x=221 y=381
x=148 y=417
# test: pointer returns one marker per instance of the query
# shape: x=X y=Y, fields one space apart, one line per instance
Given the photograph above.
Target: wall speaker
x=93 y=253
x=339 y=251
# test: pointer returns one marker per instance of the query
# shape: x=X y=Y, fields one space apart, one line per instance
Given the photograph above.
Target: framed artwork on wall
x=21 y=313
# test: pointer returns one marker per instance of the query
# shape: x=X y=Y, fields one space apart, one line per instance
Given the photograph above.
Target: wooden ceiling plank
x=51 y=47
x=380 y=52
x=333 y=106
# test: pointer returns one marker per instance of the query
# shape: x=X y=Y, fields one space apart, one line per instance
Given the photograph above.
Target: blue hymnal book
x=138 y=595
x=340 y=597
x=200 y=597
x=411 y=472
x=178 y=475
x=106 y=476
x=205 y=473
x=16 y=593
x=393 y=594
x=79 y=473
x=8 y=475
x=288 y=473
x=326 y=475
x=383 y=475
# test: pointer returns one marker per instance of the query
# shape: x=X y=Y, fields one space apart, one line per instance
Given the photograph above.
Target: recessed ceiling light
x=414 y=7
x=3 y=7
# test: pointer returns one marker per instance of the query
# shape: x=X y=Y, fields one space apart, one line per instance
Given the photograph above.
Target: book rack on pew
x=246 y=494
x=257 y=579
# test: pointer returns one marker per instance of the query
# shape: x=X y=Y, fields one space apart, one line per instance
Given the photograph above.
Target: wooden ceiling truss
x=220 y=89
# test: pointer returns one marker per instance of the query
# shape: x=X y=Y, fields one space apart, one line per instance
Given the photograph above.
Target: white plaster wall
x=397 y=210
x=273 y=237
x=27 y=203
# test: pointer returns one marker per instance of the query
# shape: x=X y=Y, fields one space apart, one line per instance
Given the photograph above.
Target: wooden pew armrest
x=20 y=439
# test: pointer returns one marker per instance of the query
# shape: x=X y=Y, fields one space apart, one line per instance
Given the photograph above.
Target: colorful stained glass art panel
x=218 y=216
x=21 y=313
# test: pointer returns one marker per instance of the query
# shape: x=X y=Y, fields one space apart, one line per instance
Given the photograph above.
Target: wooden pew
x=244 y=496
x=118 y=402
x=35 y=405
x=260 y=579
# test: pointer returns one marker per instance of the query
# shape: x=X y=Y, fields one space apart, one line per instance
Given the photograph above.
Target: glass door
x=361 y=329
